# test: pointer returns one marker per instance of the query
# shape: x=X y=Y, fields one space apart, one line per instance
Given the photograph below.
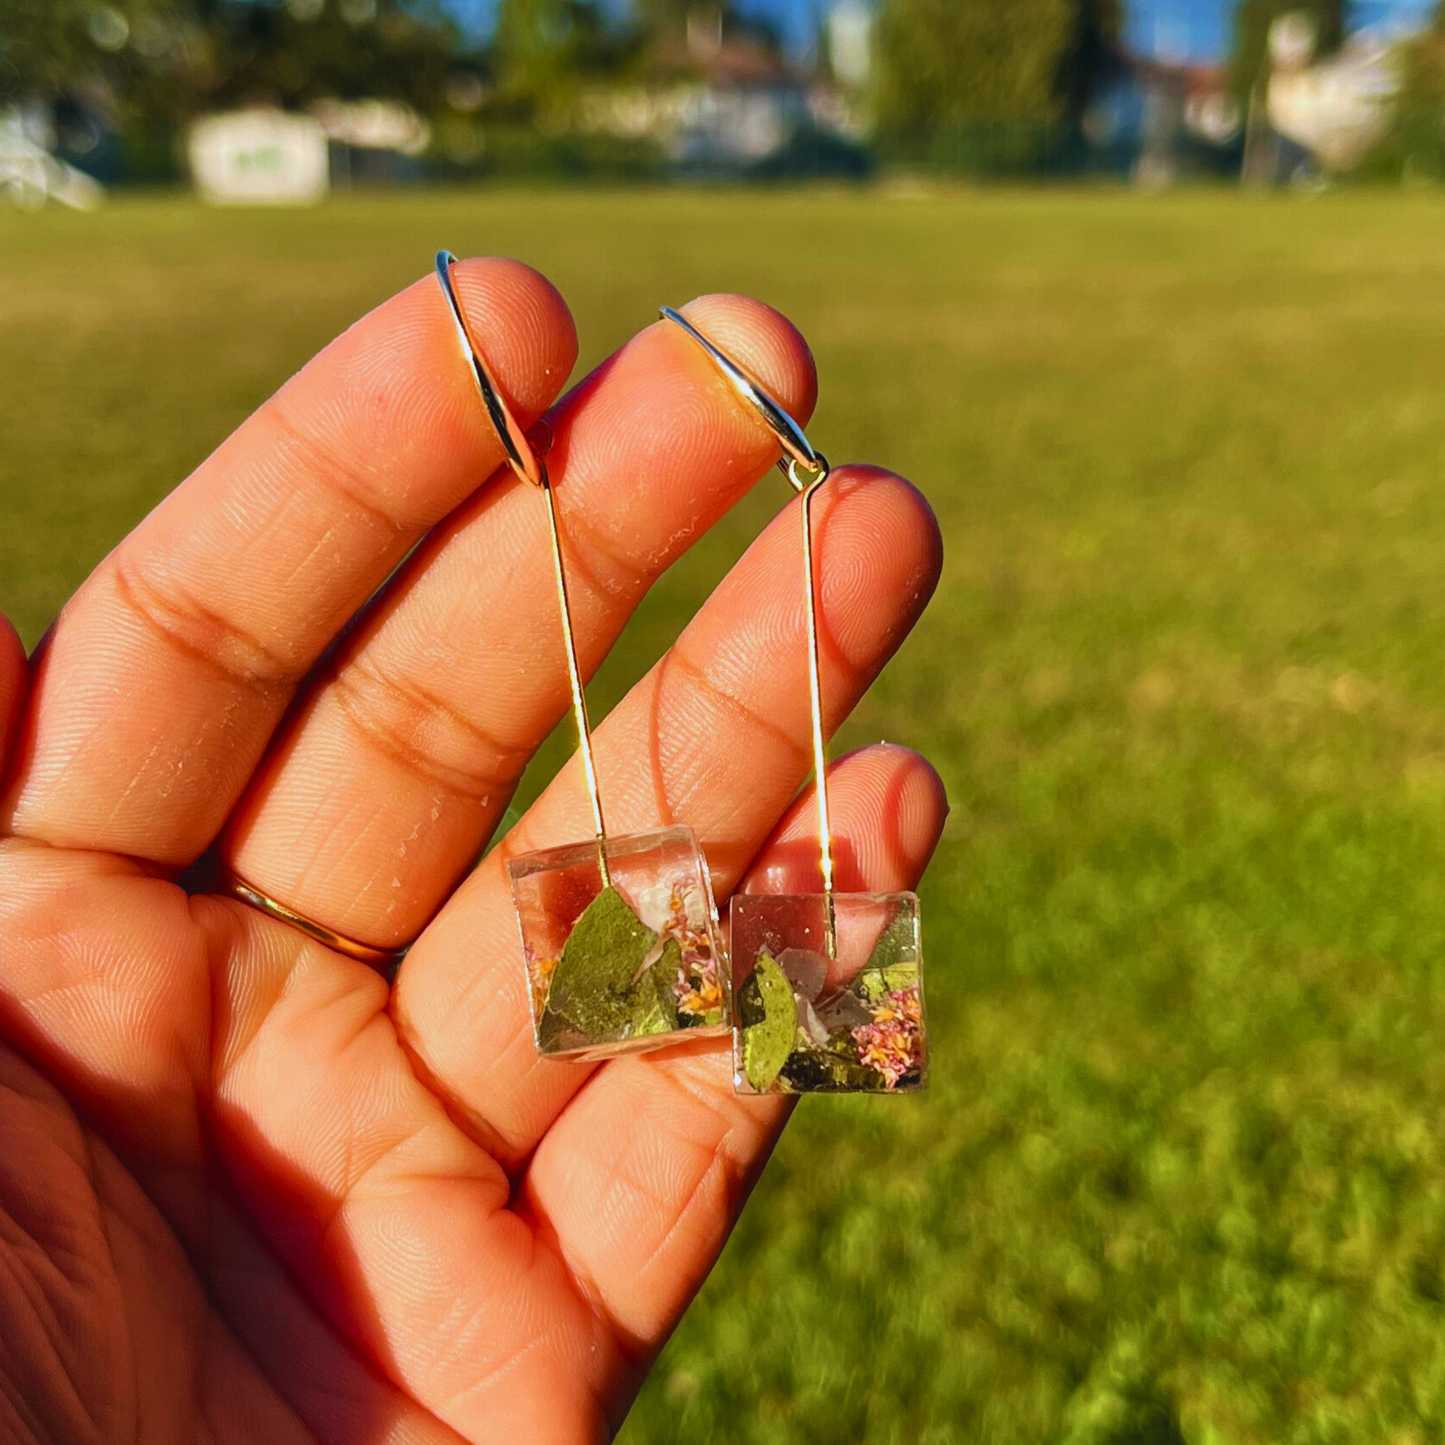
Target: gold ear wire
x=520 y=456
x=806 y=470
x=531 y=467
x=798 y=451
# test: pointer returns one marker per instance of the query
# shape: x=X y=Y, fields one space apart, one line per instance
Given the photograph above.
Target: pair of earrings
x=620 y=935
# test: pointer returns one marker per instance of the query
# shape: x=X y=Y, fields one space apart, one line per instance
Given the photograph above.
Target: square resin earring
x=827 y=987
x=619 y=935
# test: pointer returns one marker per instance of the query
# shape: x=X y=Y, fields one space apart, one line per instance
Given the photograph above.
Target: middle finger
x=396 y=768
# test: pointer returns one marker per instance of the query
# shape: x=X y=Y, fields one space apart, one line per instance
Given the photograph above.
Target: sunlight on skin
x=261 y=1209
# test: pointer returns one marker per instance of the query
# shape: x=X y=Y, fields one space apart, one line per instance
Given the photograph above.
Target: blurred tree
x=545 y=49
x=949 y=63
x=293 y=54
x=662 y=17
x=667 y=19
x=1091 y=54
x=1415 y=144
x=165 y=60
x=43 y=43
x=1252 y=21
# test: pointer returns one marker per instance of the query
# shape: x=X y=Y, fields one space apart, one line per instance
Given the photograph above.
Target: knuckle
x=185 y=623
x=310 y=456
x=424 y=733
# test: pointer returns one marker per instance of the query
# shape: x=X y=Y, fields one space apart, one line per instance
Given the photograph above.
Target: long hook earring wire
x=531 y=467
x=806 y=470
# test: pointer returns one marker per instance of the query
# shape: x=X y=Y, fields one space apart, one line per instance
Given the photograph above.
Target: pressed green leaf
x=899 y=943
x=654 y=997
x=550 y=1028
x=873 y=984
x=593 y=991
x=821 y=1071
x=768 y=1015
x=893 y=963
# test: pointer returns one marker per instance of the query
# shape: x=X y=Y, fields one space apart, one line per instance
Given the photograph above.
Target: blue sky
x=1198 y=28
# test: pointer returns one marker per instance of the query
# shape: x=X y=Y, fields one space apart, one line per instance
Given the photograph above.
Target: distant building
x=271 y=157
x=1163 y=118
x=850 y=43
x=728 y=103
x=372 y=142
x=742 y=108
x=260 y=157
x=1159 y=120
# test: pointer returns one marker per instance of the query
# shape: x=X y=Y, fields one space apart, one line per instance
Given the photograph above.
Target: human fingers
x=166 y=674
x=716 y=736
x=397 y=1226
x=644 y=1174
x=404 y=1232
x=381 y=792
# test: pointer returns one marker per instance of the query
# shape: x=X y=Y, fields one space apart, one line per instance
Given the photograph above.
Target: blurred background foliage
x=990 y=87
x=1180 y=1174
x=1414 y=149
x=595 y=87
x=951 y=62
x=170 y=60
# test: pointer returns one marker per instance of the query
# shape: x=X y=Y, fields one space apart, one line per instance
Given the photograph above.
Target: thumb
x=14 y=685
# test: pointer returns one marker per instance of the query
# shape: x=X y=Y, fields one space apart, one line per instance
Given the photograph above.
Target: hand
x=246 y=1192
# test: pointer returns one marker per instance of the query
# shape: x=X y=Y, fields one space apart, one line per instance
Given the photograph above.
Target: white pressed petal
x=694 y=907
x=653 y=905
x=810 y=1023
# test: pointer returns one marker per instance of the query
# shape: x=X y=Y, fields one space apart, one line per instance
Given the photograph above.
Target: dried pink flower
x=893 y=1042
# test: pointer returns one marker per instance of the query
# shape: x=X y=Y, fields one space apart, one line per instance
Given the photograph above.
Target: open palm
x=247 y=1193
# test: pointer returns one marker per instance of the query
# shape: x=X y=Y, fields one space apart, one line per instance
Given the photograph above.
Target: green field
x=1181 y=1173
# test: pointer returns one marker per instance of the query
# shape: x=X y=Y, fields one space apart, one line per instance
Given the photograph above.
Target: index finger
x=167 y=673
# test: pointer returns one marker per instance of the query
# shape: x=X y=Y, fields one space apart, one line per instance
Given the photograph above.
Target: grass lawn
x=1181 y=1173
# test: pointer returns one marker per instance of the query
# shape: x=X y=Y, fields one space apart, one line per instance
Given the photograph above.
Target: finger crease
x=349 y=483
x=468 y=1120
x=204 y=635
x=498 y=767
x=750 y=717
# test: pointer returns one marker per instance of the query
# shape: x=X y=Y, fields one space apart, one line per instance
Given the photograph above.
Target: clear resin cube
x=620 y=969
x=810 y=1022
